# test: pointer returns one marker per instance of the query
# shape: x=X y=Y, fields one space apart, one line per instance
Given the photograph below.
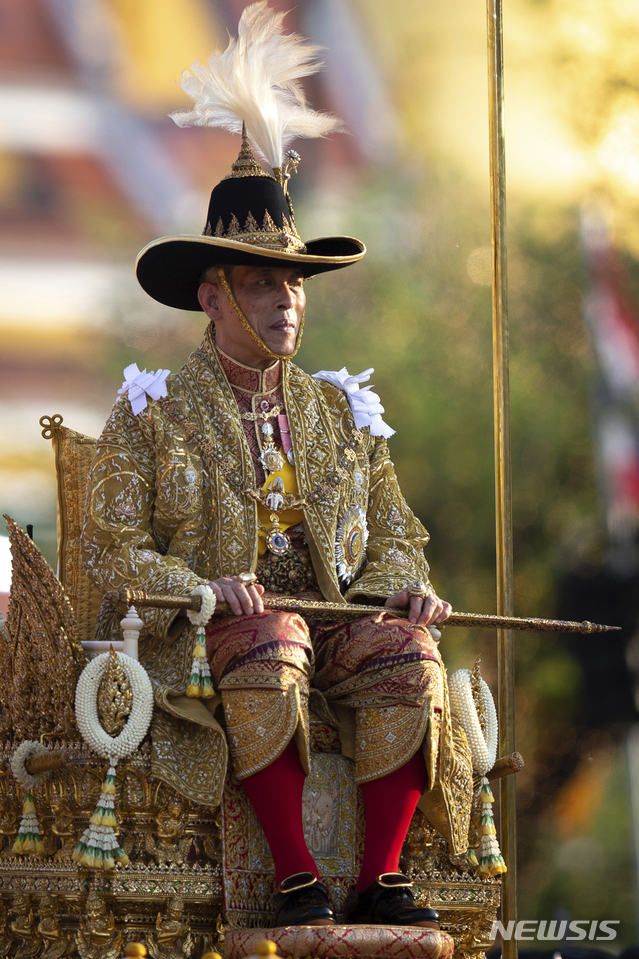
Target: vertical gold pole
x=503 y=480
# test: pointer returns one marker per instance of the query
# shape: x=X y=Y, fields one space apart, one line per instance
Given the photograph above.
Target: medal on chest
x=350 y=543
x=271 y=459
x=277 y=541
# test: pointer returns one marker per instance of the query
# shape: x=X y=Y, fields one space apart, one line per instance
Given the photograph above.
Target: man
x=250 y=475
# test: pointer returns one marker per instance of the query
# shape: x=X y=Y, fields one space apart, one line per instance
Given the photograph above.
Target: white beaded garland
x=483 y=746
x=86 y=708
x=23 y=753
x=207 y=608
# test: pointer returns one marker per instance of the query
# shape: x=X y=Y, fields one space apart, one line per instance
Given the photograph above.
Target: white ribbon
x=366 y=406
x=142 y=384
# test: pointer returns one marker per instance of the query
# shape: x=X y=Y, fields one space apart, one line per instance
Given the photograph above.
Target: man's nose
x=285 y=298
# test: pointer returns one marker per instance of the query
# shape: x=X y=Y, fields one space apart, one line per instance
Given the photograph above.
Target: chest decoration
x=278 y=501
x=273 y=513
x=276 y=539
x=285 y=433
x=271 y=459
x=350 y=543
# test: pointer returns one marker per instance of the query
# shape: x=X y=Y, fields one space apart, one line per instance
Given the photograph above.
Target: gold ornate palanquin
x=195 y=871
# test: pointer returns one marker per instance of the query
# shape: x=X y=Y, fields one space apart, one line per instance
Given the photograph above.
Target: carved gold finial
x=50 y=424
x=246 y=164
x=115 y=696
x=475 y=684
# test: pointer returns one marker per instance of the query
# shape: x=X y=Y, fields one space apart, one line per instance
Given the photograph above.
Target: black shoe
x=302 y=900
x=389 y=901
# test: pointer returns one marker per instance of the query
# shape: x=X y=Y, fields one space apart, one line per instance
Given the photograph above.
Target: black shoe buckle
x=308 y=877
x=383 y=881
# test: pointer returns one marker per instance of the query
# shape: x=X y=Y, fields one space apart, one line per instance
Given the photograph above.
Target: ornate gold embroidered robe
x=162 y=517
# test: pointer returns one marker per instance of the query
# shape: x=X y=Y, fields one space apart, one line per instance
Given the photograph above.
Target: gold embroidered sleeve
x=396 y=538
x=119 y=547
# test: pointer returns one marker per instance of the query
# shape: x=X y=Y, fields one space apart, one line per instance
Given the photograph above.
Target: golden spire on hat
x=253 y=87
x=246 y=164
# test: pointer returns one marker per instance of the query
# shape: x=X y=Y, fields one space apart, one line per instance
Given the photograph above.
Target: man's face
x=272 y=300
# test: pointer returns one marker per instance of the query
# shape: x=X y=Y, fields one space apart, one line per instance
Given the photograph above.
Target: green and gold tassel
x=491 y=860
x=28 y=839
x=98 y=846
x=200 y=686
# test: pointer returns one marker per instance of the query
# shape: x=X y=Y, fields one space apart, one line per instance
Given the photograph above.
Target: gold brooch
x=350 y=543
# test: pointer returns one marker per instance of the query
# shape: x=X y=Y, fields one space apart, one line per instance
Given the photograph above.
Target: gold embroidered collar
x=246 y=378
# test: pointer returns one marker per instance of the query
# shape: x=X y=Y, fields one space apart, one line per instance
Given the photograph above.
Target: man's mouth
x=283 y=325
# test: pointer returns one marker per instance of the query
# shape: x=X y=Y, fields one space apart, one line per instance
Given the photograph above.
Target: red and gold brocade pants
x=384 y=668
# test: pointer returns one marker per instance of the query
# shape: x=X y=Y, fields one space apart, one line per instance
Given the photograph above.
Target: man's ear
x=208 y=295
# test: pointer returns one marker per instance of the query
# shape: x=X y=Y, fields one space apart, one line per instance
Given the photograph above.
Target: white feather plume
x=256 y=81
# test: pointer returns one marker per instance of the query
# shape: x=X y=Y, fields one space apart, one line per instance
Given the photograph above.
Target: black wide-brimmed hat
x=250 y=222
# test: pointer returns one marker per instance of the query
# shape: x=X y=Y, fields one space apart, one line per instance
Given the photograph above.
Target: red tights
x=389 y=803
x=276 y=797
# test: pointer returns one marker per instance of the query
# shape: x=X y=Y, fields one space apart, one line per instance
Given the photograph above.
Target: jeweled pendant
x=350 y=543
x=277 y=541
x=271 y=460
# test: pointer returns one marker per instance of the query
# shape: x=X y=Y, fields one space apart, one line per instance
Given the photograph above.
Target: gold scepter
x=345 y=612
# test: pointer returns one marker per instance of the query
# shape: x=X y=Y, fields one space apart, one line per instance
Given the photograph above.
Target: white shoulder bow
x=139 y=385
x=366 y=406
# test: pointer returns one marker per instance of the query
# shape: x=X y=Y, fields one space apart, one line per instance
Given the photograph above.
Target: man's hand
x=424 y=610
x=242 y=600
